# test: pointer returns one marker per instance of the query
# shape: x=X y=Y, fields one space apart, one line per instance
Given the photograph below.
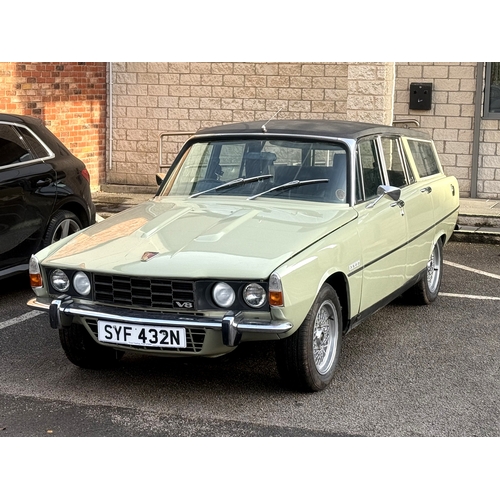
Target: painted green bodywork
x=372 y=251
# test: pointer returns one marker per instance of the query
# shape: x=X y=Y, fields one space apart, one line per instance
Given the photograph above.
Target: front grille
x=194 y=337
x=142 y=292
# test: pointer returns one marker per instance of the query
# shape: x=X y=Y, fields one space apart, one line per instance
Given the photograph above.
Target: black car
x=44 y=191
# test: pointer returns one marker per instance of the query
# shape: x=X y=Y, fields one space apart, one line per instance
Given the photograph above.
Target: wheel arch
x=338 y=281
x=77 y=208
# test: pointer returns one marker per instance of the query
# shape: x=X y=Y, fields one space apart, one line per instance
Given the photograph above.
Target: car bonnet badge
x=148 y=256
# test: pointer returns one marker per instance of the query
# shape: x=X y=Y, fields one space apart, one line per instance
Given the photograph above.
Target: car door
x=25 y=202
x=382 y=231
x=416 y=202
x=443 y=190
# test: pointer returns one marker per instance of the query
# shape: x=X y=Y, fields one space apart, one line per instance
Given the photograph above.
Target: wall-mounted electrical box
x=421 y=96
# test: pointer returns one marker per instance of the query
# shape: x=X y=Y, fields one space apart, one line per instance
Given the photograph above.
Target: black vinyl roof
x=320 y=128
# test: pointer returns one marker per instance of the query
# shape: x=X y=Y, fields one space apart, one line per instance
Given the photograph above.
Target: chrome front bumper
x=232 y=324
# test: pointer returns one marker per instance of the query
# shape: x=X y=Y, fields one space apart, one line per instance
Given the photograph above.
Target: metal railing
x=164 y=154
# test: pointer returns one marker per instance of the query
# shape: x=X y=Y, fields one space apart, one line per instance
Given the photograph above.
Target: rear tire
x=307 y=359
x=85 y=352
x=427 y=289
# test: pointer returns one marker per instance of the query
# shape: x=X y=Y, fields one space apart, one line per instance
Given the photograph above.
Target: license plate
x=141 y=335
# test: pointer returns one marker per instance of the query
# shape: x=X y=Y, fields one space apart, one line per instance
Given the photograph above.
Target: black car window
x=369 y=169
x=12 y=147
x=18 y=144
x=36 y=147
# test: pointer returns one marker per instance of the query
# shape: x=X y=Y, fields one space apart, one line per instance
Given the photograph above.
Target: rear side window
x=424 y=158
x=18 y=145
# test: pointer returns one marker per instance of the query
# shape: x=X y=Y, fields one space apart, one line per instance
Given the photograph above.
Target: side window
x=12 y=147
x=368 y=169
x=33 y=143
x=394 y=162
x=424 y=158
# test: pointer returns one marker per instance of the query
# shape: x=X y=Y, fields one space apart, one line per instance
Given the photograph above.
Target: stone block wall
x=450 y=121
x=71 y=100
x=151 y=98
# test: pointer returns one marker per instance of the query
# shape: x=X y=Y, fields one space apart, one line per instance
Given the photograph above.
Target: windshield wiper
x=288 y=185
x=234 y=182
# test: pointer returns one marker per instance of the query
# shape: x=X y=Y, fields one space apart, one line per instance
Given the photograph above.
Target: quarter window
x=424 y=158
x=368 y=169
x=18 y=145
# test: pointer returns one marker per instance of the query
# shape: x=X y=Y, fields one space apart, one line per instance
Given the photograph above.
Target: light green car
x=291 y=231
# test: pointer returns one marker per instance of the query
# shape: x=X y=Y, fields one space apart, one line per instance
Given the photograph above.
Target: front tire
x=84 y=352
x=307 y=359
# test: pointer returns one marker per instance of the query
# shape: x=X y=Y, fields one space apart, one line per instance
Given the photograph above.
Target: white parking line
x=465 y=268
x=24 y=317
x=464 y=296
x=472 y=270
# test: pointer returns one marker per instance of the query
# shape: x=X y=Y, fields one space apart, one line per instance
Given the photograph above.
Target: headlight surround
x=59 y=281
x=254 y=295
x=81 y=283
x=223 y=295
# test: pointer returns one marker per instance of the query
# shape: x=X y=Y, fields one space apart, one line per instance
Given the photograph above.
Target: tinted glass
x=13 y=149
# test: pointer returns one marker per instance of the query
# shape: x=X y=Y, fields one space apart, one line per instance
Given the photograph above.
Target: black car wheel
x=427 y=289
x=307 y=359
x=62 y=224
x=85 y=352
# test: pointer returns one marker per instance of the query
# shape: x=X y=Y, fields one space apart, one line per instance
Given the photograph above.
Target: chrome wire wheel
x=325 y=337
x=434 y=269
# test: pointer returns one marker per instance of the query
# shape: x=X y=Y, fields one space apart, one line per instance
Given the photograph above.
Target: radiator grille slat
x=142 y=292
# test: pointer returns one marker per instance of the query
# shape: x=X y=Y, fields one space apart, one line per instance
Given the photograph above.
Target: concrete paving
x=479 y=219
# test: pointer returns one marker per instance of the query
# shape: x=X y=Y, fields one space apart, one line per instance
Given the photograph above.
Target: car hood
x=219 y=238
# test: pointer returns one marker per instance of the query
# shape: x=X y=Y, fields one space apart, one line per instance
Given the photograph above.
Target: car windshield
x=254 y=168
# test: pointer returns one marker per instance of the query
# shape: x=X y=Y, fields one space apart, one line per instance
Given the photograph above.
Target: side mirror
x=392 y=192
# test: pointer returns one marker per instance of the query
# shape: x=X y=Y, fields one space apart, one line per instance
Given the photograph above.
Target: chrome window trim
x=49 y=156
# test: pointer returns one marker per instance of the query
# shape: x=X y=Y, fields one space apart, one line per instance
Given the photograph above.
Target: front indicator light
x=275 y=291
x=81 y=283
x=35 y=274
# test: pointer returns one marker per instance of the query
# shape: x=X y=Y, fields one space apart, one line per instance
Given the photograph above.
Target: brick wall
x=151 y=98
x=69 y=97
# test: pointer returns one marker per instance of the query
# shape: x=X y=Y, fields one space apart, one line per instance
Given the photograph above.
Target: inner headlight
x=59 y=280
x=81 y=283
x=223 y=295
x=254 y=295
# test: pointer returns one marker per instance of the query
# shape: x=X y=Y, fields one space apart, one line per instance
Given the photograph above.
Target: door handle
x=427 y=190
x=44 y=182
x=400 y=204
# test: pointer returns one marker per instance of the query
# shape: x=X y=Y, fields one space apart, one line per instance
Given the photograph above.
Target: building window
x=492 y=91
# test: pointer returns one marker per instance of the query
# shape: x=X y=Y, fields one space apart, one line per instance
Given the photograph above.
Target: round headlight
x=59 y=280
x=81 y=283
x=223 y=295
x=254 y=295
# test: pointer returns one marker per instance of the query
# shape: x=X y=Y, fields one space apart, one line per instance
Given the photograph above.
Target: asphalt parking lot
x=407 y=371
